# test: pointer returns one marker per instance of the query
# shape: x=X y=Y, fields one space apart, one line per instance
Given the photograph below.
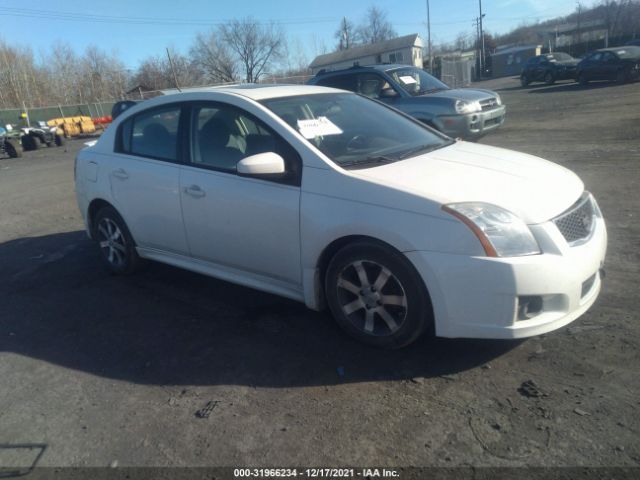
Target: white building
x=405 y=50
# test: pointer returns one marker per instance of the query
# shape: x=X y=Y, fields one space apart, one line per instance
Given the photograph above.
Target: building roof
x=366 y=50
x=515 y=49
x=137 y=88
x=574 y=27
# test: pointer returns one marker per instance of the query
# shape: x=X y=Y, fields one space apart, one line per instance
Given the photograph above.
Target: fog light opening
x=529 y=307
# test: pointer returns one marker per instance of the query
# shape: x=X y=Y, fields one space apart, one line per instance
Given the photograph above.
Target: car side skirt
x=226 y=273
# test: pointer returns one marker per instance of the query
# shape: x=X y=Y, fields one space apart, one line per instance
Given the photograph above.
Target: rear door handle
x=121 y=174
x=194 y=191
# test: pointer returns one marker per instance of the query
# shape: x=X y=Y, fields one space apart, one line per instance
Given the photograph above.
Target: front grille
x=578 y=222
x=488 y=104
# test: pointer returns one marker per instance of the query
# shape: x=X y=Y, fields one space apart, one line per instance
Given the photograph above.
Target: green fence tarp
x=93 y=110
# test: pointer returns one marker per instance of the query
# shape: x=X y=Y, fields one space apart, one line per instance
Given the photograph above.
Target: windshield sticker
x=407 y=79
x=318 y=127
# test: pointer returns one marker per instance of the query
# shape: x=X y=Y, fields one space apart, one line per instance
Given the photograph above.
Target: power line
x=132 y=20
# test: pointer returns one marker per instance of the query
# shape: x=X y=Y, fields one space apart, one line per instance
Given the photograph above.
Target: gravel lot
x=97 y=370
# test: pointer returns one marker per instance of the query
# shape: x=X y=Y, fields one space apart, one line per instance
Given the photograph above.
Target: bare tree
x=155 y=72
x=376 y=27
x=214 y=58
x=462 y=41
x=345 y=34
x=255 y=45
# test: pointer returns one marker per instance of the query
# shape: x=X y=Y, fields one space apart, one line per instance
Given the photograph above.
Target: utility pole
x=578 y=25
x=476 y=23
x=481 y=41
x=429 y=38
x=173 y=70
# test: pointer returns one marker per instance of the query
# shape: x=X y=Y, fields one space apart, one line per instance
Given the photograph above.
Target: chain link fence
x=100 y=109
x=457 y=72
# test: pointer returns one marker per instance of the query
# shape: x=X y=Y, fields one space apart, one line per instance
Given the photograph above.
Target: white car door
x=145 y=179
x=249 y=224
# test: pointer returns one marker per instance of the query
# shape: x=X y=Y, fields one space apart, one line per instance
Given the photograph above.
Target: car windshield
x=353 y=131
x=416 y=81
x=559 y=57
x=628 y=52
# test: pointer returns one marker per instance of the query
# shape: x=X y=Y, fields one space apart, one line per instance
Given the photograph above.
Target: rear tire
x=29 y=143
x=116 y=243
x=376 y=295
x=622 y=76
x=524 y=80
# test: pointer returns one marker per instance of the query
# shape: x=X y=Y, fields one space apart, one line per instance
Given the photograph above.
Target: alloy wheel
x=112 y=242
x=372 y=298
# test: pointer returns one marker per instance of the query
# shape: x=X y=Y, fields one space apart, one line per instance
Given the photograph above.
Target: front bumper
x=481 y=297
x=472 y=125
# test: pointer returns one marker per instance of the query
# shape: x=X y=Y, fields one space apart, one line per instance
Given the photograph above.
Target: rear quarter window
x=152 y=133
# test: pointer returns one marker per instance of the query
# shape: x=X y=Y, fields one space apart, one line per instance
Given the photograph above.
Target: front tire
x=116 y=243
x=13 y=148
x=549 y=79
x=524 y=80
x=583 y=80
x=59 y=140
x=376 y=295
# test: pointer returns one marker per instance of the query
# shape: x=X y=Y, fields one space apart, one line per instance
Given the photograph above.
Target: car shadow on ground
x=169 y=326
x=574 y=87
x=534 y=87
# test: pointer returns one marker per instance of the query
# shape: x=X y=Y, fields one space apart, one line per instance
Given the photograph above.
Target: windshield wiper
x=379 y=160
x=430 y=90
x=419 y=149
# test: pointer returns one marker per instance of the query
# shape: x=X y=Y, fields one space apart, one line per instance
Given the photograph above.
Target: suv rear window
x=344 y=82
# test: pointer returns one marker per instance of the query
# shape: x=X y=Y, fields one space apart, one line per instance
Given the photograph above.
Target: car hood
x=532 y=188
x=469 y=94
x=568 y=63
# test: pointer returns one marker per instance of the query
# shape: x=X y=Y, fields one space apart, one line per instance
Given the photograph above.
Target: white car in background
x=329 y=198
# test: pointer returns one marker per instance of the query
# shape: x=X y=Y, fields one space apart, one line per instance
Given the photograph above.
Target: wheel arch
x=94 y=207
x=334 y=247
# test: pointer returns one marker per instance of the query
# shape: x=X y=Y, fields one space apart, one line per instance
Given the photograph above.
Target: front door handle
x=194 y=191
x=121 y=174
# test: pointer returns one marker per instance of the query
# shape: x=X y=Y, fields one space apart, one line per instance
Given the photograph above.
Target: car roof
x=257 y=91
x=622 y=47
x=383 y=67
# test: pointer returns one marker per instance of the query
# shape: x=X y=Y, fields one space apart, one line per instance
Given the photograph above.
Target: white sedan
x=336 y=200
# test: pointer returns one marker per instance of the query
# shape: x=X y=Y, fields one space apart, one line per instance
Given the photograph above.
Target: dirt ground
x=97 y=370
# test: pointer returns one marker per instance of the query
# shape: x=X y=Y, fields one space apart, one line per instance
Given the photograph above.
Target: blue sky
x=309 y=24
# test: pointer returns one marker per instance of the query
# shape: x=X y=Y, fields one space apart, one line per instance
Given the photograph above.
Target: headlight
x=463 y=106
x=596 y=207
x=501 y=233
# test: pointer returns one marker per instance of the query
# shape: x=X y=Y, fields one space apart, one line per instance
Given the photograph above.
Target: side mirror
x=261 y=164
x=388 y=93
